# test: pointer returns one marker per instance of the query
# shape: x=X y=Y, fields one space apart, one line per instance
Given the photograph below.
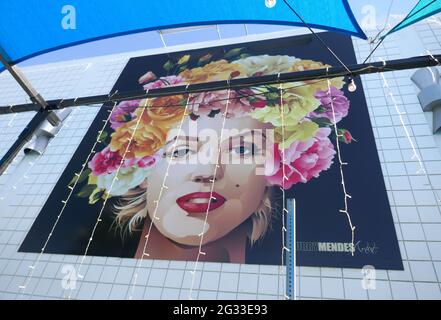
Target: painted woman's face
x=237 y=190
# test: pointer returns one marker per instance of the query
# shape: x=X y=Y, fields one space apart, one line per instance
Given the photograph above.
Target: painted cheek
x=176 y=224
x=226 y=220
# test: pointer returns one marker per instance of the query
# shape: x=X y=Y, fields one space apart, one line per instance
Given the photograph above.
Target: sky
x=149 y=40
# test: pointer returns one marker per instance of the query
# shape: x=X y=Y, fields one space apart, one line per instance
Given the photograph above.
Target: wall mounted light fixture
x=45 y=133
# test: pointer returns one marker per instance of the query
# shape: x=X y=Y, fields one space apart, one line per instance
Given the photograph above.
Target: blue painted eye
x=245 y=150
x=179 y=153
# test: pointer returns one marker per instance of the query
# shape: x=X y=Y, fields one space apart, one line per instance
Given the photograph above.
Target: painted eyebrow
x=184 y=138
x=188 y=138
x=251 y=132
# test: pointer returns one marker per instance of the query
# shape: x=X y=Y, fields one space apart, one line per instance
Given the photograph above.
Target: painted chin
x=200 y=203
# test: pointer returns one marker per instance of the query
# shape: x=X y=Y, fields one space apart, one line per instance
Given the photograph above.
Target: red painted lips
x=199 y=202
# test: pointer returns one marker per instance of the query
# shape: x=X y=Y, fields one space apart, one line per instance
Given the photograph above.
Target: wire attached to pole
x=317 y=36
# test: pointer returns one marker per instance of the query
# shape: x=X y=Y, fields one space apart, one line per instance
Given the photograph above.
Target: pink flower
x=259 y=104
x=105 y=162
x=147 y=77
x=348 y=136
x=123 y=112
x=145 y=162
x=202 y=104
x=164 y=82
x=339 y=102
x=304 y=160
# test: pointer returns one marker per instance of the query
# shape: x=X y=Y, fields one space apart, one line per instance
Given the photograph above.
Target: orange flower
x=304 y=65
x=163 y=112
x=146 y=141
x=214 y=71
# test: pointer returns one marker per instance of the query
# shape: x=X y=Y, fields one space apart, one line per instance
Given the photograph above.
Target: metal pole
x=35 y=97
x=310 y=75
x=291 y=280
x=240 y=83
x=42 y=114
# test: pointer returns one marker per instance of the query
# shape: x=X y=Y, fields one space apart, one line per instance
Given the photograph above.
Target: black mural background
x=318 y=202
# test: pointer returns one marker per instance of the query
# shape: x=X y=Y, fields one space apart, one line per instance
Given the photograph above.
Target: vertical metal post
x=291 y=254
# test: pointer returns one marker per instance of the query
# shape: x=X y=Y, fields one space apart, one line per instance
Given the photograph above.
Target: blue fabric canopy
x=32 y=27
x=424 y=9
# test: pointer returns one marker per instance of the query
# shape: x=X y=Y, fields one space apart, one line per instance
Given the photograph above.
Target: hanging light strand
x=347 y=196
x=415 y=154
x=63 y=124
x=163 y=187
x=65 y=202
x=107 y=196
x=201 y=235
x=284 y=249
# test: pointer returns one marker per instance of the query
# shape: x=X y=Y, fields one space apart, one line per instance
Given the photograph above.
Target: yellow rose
x=300 y=132
x=164 y=112
x=214 y=71
x=146 y=141
x=297 y=104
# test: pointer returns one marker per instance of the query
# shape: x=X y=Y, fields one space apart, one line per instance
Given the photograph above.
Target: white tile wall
x=414 y=198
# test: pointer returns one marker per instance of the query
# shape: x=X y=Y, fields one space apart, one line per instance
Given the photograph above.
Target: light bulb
x=352 y=87
x=270 y=3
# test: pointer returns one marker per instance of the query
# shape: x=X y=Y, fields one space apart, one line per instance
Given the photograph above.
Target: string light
x=108 y=192
x=284 y=209
x=352 y=87
x=63 y=124
x=342 y=176
x=65 y=202
x=311 y=79
x=12 y=119
x=201 y=235
x=163 y=186
x=415 y=155
x=30 y=164
x=270 y=3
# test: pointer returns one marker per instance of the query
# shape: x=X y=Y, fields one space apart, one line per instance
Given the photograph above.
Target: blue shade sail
x=423 y=10
x=30 y=27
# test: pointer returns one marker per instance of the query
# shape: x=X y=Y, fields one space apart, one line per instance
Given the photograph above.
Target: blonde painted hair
x=131 y=210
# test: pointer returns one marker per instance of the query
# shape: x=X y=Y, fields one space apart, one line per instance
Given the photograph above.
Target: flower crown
x=308 y=117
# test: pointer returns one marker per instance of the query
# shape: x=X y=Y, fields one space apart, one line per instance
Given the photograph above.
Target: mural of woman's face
x=237 y=191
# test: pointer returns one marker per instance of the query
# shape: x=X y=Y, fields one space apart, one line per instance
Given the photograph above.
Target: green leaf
x=204 y=60
x=168 y=65
x=244 y=55
x=84 y=175
x=322 y=122
x=103 y=136
x=345 y=136
x=273 y=96
x=233 y=53
x=182 y=68
x=320 y=109
x=86 y=191
x=96 y=195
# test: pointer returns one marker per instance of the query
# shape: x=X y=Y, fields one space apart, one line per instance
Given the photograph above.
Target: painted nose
x=208 y=173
